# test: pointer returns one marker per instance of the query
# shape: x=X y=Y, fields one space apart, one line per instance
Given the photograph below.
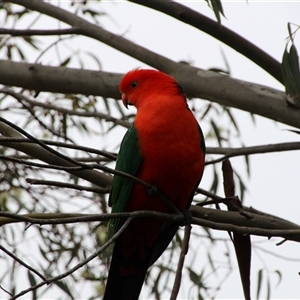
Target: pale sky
x=274 y=183
x=273 y=186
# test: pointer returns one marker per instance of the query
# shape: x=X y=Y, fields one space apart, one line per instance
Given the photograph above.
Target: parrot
x=165 y=148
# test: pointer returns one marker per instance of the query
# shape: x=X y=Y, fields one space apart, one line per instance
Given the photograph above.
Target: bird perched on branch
x=164 y=148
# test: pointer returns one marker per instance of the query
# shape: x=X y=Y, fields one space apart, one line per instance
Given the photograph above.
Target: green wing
x=129 y=161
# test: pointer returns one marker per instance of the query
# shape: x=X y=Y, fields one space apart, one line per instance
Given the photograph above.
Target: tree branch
x=36 y=151
x=70 y=112
x=232 y=152
x=198 y=83
x=218 y=31
x=5 y=140
x=248 y=221
x=59 y=79
x=30 y=32
x=21 y=262
x=68 y=185
x=257 y=224
x=78 y=266
x=227 y=151
x=183 y=253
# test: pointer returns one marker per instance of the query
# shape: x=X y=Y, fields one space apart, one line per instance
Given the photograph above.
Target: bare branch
x=227 y=151
x=39 y=152
x=48 y=166
x=30 y=32
x=78 y=266
x=68 y=218
x=5 y=140
x=218 y=31
x=183 y=253
x=59 y=79
x=21 y=262
x=21 y=99
x=249 y=221
x=70 y=112
x=261 y=225
x=68 y=185
x=232 y=152
x=198 y=83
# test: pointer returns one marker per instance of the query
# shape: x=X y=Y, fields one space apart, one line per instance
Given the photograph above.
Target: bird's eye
x=133 y=84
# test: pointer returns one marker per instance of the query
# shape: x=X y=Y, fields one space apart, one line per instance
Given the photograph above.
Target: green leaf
x=31 y=41
x=32 y=283
x=195 y=278
x=216 y=5
x=95 y=58
x=217 y=132
x=291 y=74
x=232 y=119
x=280 y=277
x=65 y=124
x=268 y=289
x=259 y=282
x=64 y=287
x=66 y=61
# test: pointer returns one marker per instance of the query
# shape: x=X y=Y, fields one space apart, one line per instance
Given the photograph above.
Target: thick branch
x=36 y=151
x=249 y=221
x=59 y=79
x=218 y=31
x=29 y=32
x=198 y=83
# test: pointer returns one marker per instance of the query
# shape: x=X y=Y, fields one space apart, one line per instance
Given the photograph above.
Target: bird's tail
x=124 y=284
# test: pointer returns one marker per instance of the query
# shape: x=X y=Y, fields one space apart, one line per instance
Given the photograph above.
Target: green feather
x=129 y=161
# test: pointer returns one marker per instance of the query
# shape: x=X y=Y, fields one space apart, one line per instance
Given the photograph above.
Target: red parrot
x=165 y=148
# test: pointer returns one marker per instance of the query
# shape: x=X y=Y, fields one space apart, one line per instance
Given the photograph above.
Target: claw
x=153 y=191
x=187 y=217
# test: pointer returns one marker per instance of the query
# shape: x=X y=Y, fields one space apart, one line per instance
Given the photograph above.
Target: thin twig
x=5 y=291
x=232 y=152
x=22 y=100
x=81 y=166
x=75 y=268
x=60 y=144
x=285 y=258
x=183 y=253
x=261 y=225
x=68 y=218
x=30 y=32
x=68 y=185
x=86 y=114
x=36 y=151
x=49 y=149
x=22 y=262
x=227 y=152
x=209 y=195
x=48 y=166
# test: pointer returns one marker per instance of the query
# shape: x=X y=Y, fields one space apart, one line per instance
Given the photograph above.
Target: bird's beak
x=125 y=100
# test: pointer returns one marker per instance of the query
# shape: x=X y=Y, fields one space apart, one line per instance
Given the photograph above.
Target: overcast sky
x=274 y=183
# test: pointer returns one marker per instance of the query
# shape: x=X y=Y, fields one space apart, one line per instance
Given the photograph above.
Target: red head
x=136 y=85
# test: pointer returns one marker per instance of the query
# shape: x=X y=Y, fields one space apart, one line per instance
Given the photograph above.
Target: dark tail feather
x=119 y=287
x=127 y=287
x=163 y=240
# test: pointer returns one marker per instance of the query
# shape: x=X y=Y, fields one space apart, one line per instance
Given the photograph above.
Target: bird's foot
x=187 y=217
x=152 y=191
